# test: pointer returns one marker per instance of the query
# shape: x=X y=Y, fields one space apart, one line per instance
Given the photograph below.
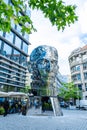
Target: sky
x=65 y=42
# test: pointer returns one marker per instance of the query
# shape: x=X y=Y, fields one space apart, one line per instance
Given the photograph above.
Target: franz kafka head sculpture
x=43 y=60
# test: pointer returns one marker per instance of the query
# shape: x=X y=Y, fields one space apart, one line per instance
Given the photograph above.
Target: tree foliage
x=27 y=88
x=69 y=90
x=57 y=11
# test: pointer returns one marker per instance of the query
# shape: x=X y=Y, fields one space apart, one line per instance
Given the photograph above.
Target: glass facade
x=6 y=1
x=85 y=66
x=13 y=58
x=18 y=29
x=7 y=50
x=1 y=33
x=85 y=75
x=25 y=47
x=76 y=77
x=80 y=86
x=75 y=68
x=18 y=42
x=26 y=36
x=0 y=44
x=16 y=56
x=9 y=36
x=86 y=86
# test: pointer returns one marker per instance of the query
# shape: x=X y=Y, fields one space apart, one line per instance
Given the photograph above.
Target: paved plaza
x=71 y=120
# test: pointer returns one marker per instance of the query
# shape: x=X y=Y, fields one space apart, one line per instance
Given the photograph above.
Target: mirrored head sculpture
x=44 y=67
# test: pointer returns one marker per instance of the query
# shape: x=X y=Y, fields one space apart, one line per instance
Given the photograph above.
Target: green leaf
x=59 y=14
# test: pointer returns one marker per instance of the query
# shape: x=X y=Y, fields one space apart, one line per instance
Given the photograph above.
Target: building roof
x=84 y=47
x=77 y=50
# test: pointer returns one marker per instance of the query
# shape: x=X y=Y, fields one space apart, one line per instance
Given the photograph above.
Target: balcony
x=74 y=63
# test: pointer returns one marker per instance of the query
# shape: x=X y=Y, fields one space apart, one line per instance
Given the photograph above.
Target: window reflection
x=25 y=47
x=19 y=29
x=18 y=42
x=3 y=80
x=16 y=56
x=23 y=60
x=7 y=50
x=0 y=44
x=76 y=77
x=0 y=47
x=27 y=10
x=4 y=70
x=1 y=33
x=85 y=76
x=26 y=36
x=85 y=66
x=6 y=1
x=9 y=37
x=12 y=24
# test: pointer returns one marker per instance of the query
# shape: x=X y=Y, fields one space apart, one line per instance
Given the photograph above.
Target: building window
x=25 y=47
x=18 y=42
x=4 y=70
x=23 y=60
x=16 y=56
x=3 y=80
x=0 y=44
x=3 y=74
x=85 y=76
x=1 y=33
x=80 y=86
x=9 y=36
x=78 y=67
x=84 y=56
x=12 y=24
x=85 y=66
x=6 y=1
x=26 y=36
x=76 y=77
x=27 y=10
x=7 y=50
x=86 y=86
x=75 y=68
x=77 y=58
x=18 y=29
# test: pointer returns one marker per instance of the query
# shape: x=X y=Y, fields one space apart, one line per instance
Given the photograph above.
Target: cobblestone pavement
x=71 y=120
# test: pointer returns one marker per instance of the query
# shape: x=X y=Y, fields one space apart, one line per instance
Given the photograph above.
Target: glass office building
x=13 y=57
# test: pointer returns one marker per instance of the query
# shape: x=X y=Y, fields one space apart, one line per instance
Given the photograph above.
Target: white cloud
x=65 y=42
x=83 y=18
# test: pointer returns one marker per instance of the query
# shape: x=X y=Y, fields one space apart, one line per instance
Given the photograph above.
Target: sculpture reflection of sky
x=43 y=61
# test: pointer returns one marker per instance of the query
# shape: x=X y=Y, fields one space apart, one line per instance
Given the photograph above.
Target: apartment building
x=78 y=68
x=13 y=57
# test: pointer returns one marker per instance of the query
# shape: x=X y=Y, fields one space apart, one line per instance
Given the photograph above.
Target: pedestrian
x=24 y=110
x=19 y=107
x=36 y=103
x=6 y=106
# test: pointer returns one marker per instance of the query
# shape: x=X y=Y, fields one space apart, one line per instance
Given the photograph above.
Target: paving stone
x=71 y=120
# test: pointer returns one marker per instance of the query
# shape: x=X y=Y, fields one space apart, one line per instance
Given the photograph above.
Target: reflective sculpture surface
x=44 y=69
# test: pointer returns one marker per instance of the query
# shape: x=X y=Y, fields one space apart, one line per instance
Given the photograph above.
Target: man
x=44 y=69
